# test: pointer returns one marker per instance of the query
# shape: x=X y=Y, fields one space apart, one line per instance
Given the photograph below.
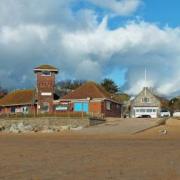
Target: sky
x=92 y=40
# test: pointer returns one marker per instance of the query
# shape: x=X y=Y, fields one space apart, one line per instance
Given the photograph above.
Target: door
x=81 y=107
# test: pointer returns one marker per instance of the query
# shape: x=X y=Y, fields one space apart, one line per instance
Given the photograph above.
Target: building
x=90 y=98
x=35 y=101
x=19 y=101
x=45 y=88
x=146 y=103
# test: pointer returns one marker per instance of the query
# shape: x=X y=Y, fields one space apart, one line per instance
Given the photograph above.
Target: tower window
x=46 y=73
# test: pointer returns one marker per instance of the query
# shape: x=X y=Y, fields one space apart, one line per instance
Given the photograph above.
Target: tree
x=110 y=86
x=121 y=97
x=69 y=84
x=3 y=92
x=174 y=104
x=77 y=83
x=66 y=86
x=165 y=103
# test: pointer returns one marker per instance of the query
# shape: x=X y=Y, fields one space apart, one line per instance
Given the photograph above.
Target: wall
x=46 y=122
x=7 y=110
x=99 y=108
x=153 y=100
x=114 y=110
x=95 y=107
x=45 y=84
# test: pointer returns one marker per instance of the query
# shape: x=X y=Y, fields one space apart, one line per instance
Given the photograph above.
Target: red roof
x=18 y=97
x=88 y=90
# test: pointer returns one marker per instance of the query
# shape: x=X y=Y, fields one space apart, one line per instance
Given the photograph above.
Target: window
x=61 y=108
x=142 y=110
x=13 y=109
x=137 y=110
x=149 y=110
x=145 y=100
x=117 y=106
x=25 y=109
x=46 y=73
x=45 y=107
x=108 y=105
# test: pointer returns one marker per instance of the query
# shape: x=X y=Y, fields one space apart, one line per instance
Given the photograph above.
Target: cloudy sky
x=92 y=39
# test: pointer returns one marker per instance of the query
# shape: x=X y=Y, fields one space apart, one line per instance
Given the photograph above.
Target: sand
x=147 y=155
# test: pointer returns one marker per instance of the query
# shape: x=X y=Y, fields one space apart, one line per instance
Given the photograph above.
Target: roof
x=146 y=92
x=162 y=99
x=88 y=90
x=18 y=97
x=46 y=67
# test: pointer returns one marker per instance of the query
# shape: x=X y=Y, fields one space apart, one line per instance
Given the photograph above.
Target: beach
x=72 y=155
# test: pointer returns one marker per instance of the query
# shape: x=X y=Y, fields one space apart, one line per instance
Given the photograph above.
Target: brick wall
x=45 y=84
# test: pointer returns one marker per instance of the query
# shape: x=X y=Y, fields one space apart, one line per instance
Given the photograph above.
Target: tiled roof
x=88 y=90
x=46 y=67
x=18 y=97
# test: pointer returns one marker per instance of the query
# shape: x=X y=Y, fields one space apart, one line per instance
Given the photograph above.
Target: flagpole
x=145 y=78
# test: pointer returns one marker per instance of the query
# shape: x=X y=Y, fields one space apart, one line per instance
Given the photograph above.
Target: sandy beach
x=146 y=155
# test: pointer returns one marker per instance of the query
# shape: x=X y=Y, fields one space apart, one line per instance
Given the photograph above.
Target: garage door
x=81 y=107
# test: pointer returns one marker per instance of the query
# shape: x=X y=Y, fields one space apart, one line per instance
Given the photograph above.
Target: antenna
x=145 y=77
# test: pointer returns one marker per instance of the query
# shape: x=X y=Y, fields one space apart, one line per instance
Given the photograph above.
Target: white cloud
x=17 y=34
x=121 y=7
x=88 y=70
x=135 y=46
x=81 y=48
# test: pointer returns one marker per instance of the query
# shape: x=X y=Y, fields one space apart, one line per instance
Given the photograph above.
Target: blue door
x=85 y=107
x=78 y=107
x=81 y=107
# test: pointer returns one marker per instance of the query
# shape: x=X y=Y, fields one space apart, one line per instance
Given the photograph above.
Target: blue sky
x=92 y=40
x=162 y=12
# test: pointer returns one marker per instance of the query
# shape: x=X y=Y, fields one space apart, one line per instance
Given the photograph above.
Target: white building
x=145 y=104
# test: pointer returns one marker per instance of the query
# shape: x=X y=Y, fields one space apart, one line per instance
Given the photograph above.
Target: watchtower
x=45 y=87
